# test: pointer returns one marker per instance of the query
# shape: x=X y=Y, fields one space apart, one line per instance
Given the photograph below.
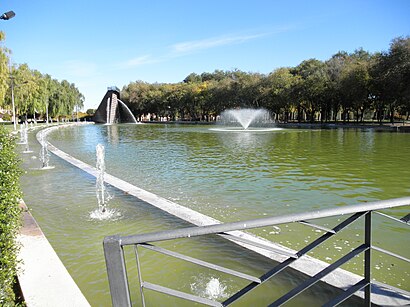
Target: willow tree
x=4 y=71
x=25 y=89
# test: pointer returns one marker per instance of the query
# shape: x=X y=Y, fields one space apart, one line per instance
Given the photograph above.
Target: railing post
x=367 y=258
x=117 y=274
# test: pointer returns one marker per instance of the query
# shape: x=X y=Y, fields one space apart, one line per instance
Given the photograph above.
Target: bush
x=10 y=221
x=6 y=117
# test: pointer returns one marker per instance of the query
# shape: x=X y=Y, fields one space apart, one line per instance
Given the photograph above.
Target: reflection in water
x=244 y=139
x=112 y=134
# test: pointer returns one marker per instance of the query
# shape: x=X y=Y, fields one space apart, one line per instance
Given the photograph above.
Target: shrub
x=6 y=117
x=10 y=221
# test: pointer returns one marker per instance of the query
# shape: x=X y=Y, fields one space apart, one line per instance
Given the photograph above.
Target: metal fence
x=117 y=272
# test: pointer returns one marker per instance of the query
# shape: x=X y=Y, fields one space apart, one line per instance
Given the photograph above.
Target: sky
x=97 y=44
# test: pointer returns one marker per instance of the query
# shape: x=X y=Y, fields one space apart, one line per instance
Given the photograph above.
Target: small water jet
x=25 y=139
x=44 y=155
x=102 y=194
x=211 y=288
x=103 y=197
x=23 y=136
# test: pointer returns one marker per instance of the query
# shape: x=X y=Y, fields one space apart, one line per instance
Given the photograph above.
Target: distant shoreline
x=399 y=127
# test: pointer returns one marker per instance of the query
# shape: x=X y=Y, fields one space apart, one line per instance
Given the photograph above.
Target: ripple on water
x=108 y=214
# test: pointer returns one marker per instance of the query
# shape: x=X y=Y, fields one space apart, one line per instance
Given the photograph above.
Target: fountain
x=44 y=153
x=25 y=139
x=209 y=287
x=128 y=112
x=245 y=118
x=103 y=197
x=112 y=110
x=102 y=194
x=22 y=136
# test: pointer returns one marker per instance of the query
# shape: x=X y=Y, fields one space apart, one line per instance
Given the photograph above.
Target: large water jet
x=246 y=120
x=245 y=117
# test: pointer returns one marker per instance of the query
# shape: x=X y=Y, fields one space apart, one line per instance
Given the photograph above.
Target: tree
x=312 y=86
x=278 y=94
x=4 y=71
x=193 y=78
x=391 y=77
x=333 y=93
x=354 y=84
x=314 y=89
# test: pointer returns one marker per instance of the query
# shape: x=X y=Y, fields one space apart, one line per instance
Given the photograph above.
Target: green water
x=227 y=175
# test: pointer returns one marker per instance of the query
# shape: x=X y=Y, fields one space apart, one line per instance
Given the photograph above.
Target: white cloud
x=197 y=45
x=184 y=48
x=141 y=60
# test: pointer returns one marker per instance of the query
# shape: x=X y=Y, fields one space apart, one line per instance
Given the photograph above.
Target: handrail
x=262 y=222
x=119 y=283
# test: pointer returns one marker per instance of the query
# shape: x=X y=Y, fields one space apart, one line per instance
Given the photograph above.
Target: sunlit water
x=230 y=176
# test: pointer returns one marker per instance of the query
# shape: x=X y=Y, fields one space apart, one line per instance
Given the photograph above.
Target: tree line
x=35 y=93
x=348 y=86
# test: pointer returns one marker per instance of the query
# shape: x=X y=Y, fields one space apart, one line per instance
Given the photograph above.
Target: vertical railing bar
x=139 y=275
x=367 y=258
x=116 y=271
x=283 y=265
x=346 y=294
x=327 y=235
x=316 y=278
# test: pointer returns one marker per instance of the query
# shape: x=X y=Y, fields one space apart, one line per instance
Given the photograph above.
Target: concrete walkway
x=43 y=278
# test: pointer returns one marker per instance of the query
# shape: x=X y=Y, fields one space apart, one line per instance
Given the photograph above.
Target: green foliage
x=345 y=85
x=391 y=78
x=6 y=117
x=34 y=91
x=90 y=111
x=9 y=216
x=4 y=85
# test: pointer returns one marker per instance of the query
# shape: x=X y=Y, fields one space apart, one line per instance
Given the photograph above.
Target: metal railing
x=117 y=272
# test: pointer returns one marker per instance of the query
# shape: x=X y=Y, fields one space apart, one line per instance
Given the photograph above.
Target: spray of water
x=44 y=154
x=209 y=287
x=103 y=197
x=22 y=135
x=101 y=192
x=25 y=139
x=245 y=117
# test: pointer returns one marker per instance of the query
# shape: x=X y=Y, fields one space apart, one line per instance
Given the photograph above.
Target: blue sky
x=96 y=44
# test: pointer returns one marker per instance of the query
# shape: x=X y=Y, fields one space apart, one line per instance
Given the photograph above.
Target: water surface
x=227 y=175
